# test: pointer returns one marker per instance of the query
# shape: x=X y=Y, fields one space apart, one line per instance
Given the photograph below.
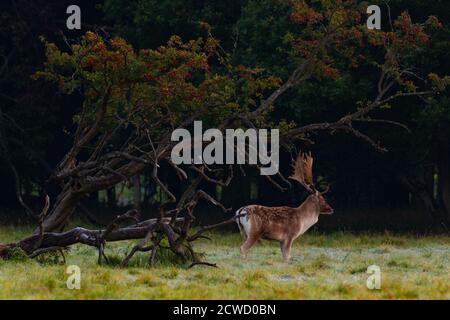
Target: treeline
x=407 y=187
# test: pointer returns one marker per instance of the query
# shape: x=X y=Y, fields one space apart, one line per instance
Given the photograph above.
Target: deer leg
x=286 y=245
x=242 y=232
x=245 y=248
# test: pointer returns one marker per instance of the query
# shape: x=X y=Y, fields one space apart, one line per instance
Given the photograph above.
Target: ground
x=323 y=266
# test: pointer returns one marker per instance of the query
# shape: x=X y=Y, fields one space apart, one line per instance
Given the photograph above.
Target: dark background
x=405 y=189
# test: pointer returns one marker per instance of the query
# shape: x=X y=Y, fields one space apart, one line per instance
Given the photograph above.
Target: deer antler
x=302 y=173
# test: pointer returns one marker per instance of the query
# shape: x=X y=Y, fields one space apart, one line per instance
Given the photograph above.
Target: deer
x=284 y=224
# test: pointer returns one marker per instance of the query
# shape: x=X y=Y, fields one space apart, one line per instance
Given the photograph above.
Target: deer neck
x=308 y=214
x=309 y=209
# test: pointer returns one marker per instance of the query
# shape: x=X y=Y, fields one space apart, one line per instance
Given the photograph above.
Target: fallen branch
x=85 y=236
x=46 y=250
x=202 y=263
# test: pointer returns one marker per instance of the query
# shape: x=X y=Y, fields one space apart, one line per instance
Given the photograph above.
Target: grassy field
x=323 y=266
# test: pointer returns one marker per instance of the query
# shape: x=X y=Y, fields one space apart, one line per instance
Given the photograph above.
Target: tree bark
x=61 y=212
x=84 y=236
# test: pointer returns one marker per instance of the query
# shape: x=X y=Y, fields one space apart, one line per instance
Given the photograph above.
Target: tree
x=133 y=100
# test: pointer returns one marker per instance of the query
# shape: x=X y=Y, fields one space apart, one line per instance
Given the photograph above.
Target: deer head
x=302 y=173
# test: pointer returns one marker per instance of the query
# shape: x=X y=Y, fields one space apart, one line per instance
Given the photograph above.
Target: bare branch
x=213 y=226
x=225 y=183
x=395 y=123
x=203 y=264
x=42 y=217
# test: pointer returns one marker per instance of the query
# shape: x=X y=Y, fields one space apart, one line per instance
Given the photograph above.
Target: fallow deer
x=284 y=224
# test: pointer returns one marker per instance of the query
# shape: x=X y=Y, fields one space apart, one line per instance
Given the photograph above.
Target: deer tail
x=242 y=221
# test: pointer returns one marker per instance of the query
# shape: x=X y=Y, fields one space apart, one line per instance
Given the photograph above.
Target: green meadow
x=323 y=266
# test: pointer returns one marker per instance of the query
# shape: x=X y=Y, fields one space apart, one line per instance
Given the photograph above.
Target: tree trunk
x=57 y=240
x=84 y=236
x=61 y=212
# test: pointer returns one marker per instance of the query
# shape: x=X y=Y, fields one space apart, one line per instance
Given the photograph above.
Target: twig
x=42 y=217
x=45 y=250
x=212 y=226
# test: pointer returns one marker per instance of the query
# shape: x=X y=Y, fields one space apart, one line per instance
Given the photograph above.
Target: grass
x=323 y=266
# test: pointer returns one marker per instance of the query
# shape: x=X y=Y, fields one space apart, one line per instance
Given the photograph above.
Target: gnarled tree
x=133 y=100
